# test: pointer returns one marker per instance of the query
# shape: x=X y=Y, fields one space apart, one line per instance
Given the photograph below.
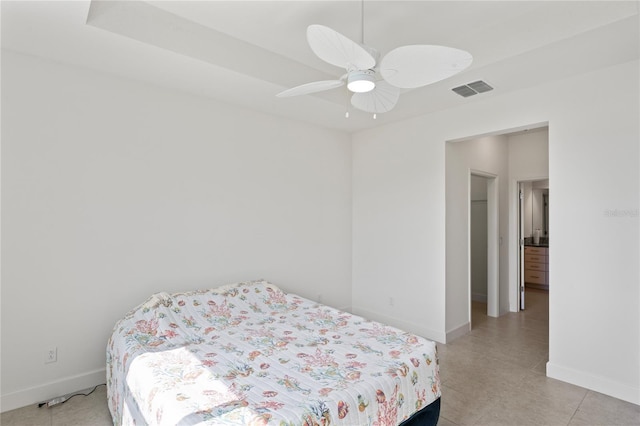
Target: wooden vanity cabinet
x=536 y=267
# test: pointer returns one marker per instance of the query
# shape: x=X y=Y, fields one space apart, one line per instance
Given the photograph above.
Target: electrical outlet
x=51 y=355
x=390 y=301
x=319 y=297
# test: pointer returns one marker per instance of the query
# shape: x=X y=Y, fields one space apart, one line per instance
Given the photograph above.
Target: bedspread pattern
x=251 y=354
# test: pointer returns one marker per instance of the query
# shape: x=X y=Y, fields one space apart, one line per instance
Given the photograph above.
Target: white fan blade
x=316 y=86
x=413 y=66
x=381 y=99
x=338 y=50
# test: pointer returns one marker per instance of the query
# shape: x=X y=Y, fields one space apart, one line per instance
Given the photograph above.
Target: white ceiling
x=244 y=52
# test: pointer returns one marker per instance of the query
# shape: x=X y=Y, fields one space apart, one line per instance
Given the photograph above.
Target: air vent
x=480 y=86
x=471 y=89
x=464 y=91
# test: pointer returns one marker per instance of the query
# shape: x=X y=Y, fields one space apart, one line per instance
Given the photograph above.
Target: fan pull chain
x=346 y=109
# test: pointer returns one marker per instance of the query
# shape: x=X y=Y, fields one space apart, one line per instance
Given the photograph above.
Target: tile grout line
x=578 y=407
x=452 y=422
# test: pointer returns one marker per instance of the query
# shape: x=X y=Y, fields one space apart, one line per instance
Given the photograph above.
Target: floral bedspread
x=250 y=354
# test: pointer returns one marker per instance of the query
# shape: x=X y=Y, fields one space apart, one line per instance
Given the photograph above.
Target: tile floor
x=494 y=375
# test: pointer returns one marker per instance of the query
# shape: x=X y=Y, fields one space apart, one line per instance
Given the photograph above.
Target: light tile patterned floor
x=494 y=375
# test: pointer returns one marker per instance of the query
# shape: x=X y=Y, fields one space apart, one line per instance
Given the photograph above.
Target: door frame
x=514 y=251
x=493 y=242
x=521 y=290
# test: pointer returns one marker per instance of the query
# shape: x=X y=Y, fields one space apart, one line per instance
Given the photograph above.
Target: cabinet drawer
x=535 y=277
x=535 y=258
x=535 y=266
x=541 y=251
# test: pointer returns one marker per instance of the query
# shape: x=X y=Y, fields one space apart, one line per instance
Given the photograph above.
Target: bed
x=251 y=354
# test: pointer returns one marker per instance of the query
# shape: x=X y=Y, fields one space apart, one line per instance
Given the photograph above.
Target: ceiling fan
x=376 y=83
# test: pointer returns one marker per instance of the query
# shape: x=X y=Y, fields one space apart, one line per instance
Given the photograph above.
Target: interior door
x=521 y=244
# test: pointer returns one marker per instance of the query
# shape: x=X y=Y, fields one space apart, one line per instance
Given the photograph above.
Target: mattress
x=251 y=354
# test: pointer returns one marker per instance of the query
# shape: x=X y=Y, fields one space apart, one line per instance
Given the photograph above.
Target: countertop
x=544 y=242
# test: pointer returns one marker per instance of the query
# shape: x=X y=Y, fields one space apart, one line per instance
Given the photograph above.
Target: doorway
x=483 y=244
x=533 y=238
x=504 y=158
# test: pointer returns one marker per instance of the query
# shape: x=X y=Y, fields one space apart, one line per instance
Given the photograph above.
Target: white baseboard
x=595 y=383
x=458 y=332
x=345 y=309
x=50 y=390
x=479 y=297
x=401 y=324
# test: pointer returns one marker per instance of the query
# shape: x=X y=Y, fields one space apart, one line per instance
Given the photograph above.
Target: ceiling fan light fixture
x=361 y=81
x=375 y=86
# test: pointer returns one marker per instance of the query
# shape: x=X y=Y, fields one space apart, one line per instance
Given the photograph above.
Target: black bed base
x=428 y=416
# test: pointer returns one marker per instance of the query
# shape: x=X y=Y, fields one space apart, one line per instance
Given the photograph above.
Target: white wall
x=529 y=154
x=487 y=155
x=398 y=223
x=113 y=190
x=593 y=169
x=478 y=188
x=399 y=217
